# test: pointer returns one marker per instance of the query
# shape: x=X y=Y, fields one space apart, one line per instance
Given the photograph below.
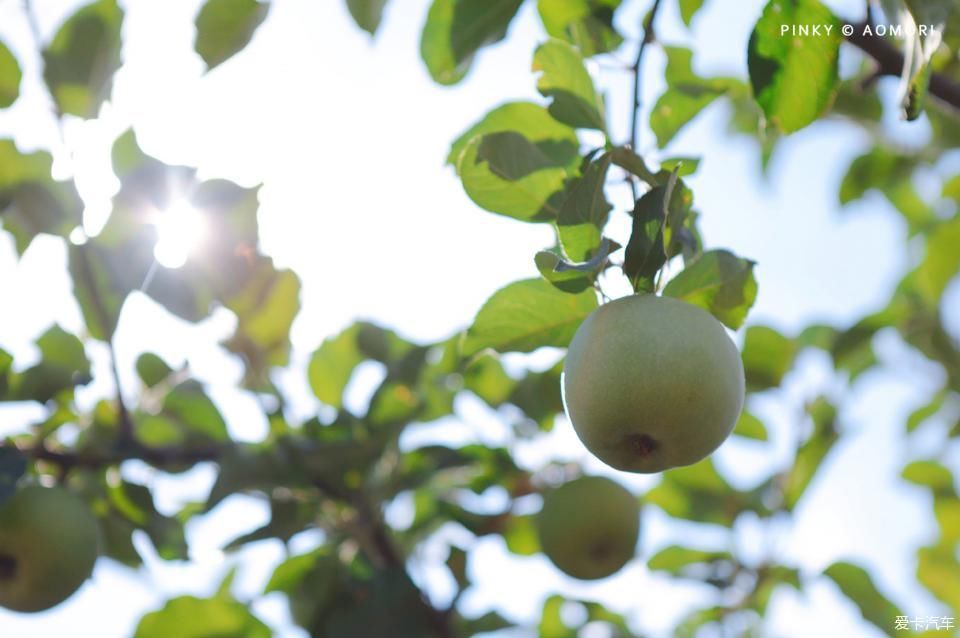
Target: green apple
x=589 y=527
x=652 y=383
x=48 y=545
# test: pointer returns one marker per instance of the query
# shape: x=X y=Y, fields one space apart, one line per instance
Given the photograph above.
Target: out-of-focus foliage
x=335 y=470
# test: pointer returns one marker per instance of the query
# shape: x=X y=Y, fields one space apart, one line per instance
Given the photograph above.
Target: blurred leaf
x=891 y=173
x=856 y=584
x=538 y=396
x=225 y=27
x=486 y=378
x=813 y=451
x=922 y=414
x=100 y=300
x=794 y=77
x=10 y=76
x=189 y=407
x=584 y=212
x=135 y=503
x=152 y=369
x=457 y=29
x=767 y=357
x=31 y=202
x=586 y=24
x=750 y=427
x=367 y=13
x=332 y=365
x=63 y=365
x=527 y=315
x=80 y=61
x=719 y=282
x=551 y=620
x=191 y=617
x=942 y=260
x=288 y=517
x=565 y=79
x=688 y=9
x=488 y=622
x=521 y=536
x=939 y=571
x=685 y=96
x=698 y=493
x=13 y=464
x=930 y=474
x=675 y=558
x=683 y=166
x=265 y=309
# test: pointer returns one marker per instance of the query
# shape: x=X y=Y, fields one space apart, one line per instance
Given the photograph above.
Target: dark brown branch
x=890 y=62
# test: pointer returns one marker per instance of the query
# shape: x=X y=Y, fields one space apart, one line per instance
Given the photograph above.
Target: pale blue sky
x=349 y=138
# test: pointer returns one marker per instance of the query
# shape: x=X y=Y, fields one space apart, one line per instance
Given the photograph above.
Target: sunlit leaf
x=719 y=282
x=812 y=452
x=767 y=357
x=584 y=212
x=80 y=61
x=10 y=76
x=750 y=427
x=457 y=29
x=225 y=27
x=685 y=96
x=794 y=75
x=527 y=315
x=565 y=80
x=942 y=260
x=856 y=584
x=192 y=617
x=586 y=24
x=367 y=13
x=331 y=366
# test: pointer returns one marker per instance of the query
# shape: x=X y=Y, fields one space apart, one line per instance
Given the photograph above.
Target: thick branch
x=890 y=62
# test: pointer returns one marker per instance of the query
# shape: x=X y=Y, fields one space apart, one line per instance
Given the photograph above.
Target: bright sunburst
x=181 y=229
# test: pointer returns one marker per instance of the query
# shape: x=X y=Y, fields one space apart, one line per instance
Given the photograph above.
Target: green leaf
x=919 y=416
x=527 y=315
x=188 y=406
x=586 y=24
x=367 y=13
x=565 y=79
x=521 y=536
x=675 y=558
x=99 y=298
x=570 y=277
x=135 y=503
x=720 y=282
x=688 y=9
x=813 y=451
x=507 y=174
x=31 y=202
x=557 y=141
x=191 y=617
x=767 y=357
x=584 y=212
x=699 y=493
x=63 y=365
x=457 y=29
x=486 y=378
x=13 y=464
x=10 y=76
x=891 y=173
x=683 y=166
x=332 y=365
x=939 y=571
x=80 y=62
x=225 y=27
x=856 y=584
x=645 y=253
x=750 y=427
x=686 y=95
x=941 y=263
x=794 y=76
x=152 y=369
x=930 y=474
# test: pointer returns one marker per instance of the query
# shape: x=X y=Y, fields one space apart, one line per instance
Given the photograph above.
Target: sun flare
x=181 y=229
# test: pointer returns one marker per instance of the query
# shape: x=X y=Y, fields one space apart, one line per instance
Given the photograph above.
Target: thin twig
x=649 y=35
x=161 y=457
